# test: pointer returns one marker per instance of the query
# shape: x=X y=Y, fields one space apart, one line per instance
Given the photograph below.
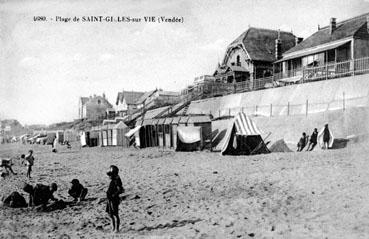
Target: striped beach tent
x=243 y=137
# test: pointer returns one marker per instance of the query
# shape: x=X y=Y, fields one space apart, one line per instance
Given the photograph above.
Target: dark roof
x=260 y=43
x=131 y=97
x=344 y=29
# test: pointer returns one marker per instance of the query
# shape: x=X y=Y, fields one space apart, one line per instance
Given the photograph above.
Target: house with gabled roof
x=338 y=42
x=252 y=54
x=126 y=102
x=94 y=107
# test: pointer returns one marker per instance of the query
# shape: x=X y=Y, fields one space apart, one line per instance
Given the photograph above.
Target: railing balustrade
x=308 y=74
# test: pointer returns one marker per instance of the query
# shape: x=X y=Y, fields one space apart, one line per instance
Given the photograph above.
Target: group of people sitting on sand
x=41 y=197
x=312 y=141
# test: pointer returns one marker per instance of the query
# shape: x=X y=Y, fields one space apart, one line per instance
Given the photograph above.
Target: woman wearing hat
x=115 y=188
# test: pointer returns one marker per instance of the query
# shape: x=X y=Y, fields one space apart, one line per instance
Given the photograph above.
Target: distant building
x=126 y=102
x=130 y=101
x=158 y=98
x=252 y=54
x=93 y=107
x=337 y=42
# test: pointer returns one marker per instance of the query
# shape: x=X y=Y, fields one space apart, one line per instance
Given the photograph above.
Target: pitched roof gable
x=344 y=29
x=260 y=43
x=131 y=97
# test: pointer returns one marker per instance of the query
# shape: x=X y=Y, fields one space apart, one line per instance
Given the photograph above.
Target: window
x=238 y=61
x=99 y=101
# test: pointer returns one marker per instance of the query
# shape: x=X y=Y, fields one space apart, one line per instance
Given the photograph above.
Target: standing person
x=313 y=140
x=326 y=136
x=55 y=141
x=115 y=188
x=29 y=162
x=302 y=142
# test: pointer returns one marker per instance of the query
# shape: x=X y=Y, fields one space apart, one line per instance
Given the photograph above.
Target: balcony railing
x=308 y=74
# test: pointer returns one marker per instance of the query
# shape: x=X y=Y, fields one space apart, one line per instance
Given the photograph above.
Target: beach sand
x=322 y=194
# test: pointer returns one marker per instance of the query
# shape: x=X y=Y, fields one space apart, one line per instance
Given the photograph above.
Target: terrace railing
x=336 y=70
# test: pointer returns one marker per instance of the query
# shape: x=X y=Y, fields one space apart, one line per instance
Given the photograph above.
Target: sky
x=46 y=66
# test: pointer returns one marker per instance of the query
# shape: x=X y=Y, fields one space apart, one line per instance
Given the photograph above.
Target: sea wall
x=301 y=99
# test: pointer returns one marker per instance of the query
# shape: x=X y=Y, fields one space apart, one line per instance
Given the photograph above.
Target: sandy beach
x=169 y=194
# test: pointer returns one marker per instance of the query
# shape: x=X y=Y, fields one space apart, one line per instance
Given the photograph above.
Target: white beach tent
x=243 y=137
x=134 y=133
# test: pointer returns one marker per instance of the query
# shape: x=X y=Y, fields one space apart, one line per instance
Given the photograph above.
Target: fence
x=308 y=74
x=290 y=109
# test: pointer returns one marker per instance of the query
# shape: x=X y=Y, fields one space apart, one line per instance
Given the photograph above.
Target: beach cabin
x=118 y=135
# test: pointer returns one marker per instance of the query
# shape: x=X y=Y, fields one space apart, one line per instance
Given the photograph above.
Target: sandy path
x=200 y=194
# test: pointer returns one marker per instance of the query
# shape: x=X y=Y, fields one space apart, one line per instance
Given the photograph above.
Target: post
x=271 y=110
x=343 y=101
x=307 y=105
x=326 y=71
x=288 y=108
x=256 y=109
x=229 y=112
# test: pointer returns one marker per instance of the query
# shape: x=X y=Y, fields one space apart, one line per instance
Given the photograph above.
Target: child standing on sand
x=29 y=162
x=115 y=188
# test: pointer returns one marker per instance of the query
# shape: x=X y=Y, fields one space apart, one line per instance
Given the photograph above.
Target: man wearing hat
x=77 y=191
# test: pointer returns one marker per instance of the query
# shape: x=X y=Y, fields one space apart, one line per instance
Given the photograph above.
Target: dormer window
x=99 y=101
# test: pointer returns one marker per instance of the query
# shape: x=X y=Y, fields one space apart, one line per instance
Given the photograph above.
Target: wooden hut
x=118 y=135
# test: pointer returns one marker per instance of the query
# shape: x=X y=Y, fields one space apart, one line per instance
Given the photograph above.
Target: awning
x=184 y=119
x=147 y=122
x=313 y=50
x=161 y=121
x=168 y=120
x=292 y=79
x=189 y=134
x=133 y=131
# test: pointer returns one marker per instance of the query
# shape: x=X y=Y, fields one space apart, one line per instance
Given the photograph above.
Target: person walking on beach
x=55 y=141
x=302 y=142
x=326 y=137
x=313 y=140
x=112 y=194
x=29 y=162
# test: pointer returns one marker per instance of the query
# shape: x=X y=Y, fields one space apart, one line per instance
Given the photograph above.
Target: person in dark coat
x=112 y=194
x=7 y=164
x=326 y=136
x=15 y=200
x=40 y=194
x=313 y=140
x=77 y=191
x=302 y=142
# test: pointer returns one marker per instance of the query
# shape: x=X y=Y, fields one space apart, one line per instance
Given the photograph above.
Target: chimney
x=103 y=95
x=278 y=46
x=332 y=26
x=298 y=40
